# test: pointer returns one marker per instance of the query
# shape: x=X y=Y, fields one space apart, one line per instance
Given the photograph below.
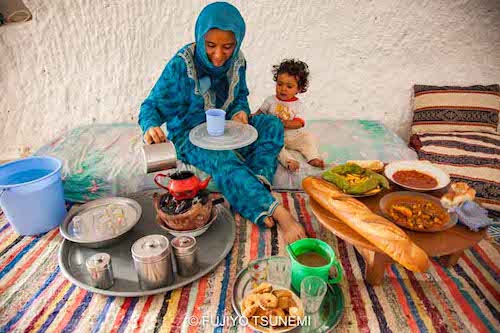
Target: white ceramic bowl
x=442 y=177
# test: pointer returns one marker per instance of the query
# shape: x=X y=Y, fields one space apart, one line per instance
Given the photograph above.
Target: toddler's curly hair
x=296 y=68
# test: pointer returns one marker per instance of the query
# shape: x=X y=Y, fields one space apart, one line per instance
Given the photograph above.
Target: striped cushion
x=438 y=109
x=471 y=157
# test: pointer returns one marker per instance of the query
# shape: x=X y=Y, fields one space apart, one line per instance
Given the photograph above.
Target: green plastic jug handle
x=339 y=273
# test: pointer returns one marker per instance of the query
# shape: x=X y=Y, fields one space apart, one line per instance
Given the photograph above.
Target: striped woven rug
x=34 y=295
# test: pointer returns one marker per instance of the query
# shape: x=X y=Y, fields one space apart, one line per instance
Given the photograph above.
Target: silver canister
x=159 y=156
x=186 y=255
x=99 y=268
x=153 y=261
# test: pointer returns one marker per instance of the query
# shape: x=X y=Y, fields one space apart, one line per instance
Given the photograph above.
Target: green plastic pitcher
x=300 y=271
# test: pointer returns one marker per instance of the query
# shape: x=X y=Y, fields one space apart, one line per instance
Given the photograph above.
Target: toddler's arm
x=295 y=123
x=264 y=108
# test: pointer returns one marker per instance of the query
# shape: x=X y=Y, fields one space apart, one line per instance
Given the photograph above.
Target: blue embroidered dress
x=188 y=86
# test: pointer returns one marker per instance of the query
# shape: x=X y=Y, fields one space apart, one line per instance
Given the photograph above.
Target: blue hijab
x=223 y=16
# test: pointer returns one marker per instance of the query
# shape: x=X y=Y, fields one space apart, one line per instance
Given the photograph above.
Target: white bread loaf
x=373 y=165
x=458 y=194
x=385 y=235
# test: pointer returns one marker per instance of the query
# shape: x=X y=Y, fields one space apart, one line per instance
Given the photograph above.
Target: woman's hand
x=154 y=135
x=241 y=117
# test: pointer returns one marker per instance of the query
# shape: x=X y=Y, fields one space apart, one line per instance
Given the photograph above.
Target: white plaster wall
x=79 y=62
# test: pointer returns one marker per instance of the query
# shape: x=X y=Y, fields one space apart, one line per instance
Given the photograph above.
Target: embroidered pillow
x=438 y=109
x=470 y=157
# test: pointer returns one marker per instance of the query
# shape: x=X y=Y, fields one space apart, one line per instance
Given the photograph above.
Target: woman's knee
x=266 y=120
x=212 y=160
x=268 y=125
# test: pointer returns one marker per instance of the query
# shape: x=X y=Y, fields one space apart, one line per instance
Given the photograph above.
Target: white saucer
x=236 y=135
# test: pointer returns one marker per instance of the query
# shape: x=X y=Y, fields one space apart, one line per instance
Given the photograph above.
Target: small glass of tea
x=278 y=271
x=312 y=291
x=258 y=271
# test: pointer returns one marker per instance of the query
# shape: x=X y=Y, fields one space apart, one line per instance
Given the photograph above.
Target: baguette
x=384 y=234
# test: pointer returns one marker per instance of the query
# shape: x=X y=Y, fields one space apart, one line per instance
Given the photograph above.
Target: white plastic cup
x=216 y=121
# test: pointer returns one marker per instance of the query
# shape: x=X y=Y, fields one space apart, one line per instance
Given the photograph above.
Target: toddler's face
x=286 y=86
x=219 y=45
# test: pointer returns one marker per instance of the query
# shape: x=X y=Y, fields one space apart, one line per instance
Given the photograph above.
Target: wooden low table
x=450 y=243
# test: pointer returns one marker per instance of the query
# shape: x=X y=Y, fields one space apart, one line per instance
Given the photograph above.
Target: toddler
x=291 y=77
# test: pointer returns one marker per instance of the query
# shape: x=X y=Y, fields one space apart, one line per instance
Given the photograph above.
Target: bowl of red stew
x=417 y=175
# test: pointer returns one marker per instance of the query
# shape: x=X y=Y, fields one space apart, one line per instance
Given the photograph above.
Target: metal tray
x=214 y=245
x=325 y=320
x=131 y=210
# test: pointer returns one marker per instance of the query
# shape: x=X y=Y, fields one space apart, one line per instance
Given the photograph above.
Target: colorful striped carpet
x=34 y=295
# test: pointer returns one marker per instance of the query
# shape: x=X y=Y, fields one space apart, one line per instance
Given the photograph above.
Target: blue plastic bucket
x=32 y=194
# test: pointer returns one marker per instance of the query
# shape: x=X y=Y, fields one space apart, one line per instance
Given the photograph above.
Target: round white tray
x=236 y=135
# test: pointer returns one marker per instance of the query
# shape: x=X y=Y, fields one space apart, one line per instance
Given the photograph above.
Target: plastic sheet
x=343 y=140
x=100 y=161
x=106 y=160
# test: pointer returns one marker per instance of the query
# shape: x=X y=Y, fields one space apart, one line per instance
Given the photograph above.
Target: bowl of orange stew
x=417 y=175
x=417 y=211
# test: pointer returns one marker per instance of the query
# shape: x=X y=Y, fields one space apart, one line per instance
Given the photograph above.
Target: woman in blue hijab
x=210 y=73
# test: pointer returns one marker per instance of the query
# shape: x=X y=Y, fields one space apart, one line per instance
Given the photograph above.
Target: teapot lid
x=181 y=175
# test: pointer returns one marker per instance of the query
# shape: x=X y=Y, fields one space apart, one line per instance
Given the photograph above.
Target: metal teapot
x=183 y=184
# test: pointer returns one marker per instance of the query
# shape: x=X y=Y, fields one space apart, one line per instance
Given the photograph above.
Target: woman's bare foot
x=292 y=165
x=317 y=162
x=269 y=222
x=291 y=228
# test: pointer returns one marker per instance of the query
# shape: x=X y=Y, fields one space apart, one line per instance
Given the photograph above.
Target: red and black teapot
x=183 y=184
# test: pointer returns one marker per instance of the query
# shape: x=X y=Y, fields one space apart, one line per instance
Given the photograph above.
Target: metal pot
x=159 y=156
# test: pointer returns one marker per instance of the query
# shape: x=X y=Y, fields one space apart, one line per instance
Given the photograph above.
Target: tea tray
x=214 y=245
x=325 y=320
x=236 y=135
x=130 y=209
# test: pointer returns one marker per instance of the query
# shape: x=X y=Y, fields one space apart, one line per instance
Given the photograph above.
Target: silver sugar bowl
x=186 y=255
x=100 y=270
x=153 y=261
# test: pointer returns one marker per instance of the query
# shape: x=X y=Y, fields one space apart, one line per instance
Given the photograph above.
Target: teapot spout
x=204 y=184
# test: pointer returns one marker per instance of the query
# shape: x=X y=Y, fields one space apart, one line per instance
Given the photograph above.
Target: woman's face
x=219 y=45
